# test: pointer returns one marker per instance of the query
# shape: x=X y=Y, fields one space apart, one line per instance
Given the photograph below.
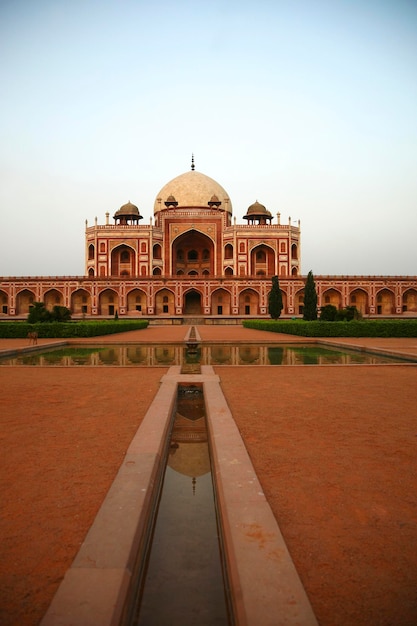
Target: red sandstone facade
x=195 y=260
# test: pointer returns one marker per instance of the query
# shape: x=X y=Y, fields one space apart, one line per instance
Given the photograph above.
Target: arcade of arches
x=179 y=298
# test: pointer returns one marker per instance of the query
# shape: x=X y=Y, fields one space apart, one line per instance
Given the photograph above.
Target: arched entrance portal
x=193 y=253
x=192 y=303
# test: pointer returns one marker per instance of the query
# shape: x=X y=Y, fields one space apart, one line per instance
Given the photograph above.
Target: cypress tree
x=275 y=299
x=310 y=298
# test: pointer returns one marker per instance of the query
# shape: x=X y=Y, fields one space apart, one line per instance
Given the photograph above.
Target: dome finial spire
x=192 y=163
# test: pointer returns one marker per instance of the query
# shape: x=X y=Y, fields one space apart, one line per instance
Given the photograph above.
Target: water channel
x=143 y=355
x=183 y=582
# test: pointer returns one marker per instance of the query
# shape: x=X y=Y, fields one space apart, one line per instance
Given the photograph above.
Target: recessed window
x=228 y=251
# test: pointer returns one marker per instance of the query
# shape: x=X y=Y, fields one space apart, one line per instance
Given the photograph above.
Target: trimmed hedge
x=363 y=328
x=58 y=330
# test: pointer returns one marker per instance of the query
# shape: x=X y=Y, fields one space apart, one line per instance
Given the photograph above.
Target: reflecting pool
x=142 y=355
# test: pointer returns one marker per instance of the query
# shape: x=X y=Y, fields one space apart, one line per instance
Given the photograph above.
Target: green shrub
x=349 y=313
x=328 y=313
x=38 y=313
x=70 y=329
x=354 y=328
x=61 y=314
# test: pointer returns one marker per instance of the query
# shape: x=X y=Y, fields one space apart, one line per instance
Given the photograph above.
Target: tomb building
x=195 y=259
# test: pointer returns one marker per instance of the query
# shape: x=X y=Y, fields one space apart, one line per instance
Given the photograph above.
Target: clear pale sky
x=309 y=107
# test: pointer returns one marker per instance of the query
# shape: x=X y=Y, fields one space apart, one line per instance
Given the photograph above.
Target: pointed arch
x=294 y=252
x=360 y=299
x=248 y=302
x=4 y=301
x=385 y=302
x=192 y=302
x=136 y=302
x=228 y=251
x=123 y=261
x=24 y=300
x=299 y=302
x=164 y=302
x=157 y=251
x=193 y=251
x=80 y=302
x=331 y=296
x=221 y=302
x=108 y=302
x=409 y=301
x=53 y=297
x=262 y=260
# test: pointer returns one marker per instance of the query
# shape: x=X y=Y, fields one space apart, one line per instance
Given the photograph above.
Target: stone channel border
x=264 y=584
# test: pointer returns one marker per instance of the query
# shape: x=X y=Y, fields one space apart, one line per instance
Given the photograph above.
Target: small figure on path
x=33 y=338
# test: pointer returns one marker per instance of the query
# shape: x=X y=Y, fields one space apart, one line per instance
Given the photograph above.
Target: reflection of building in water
x=189 y=453
x=162 y=356
x=196 y=260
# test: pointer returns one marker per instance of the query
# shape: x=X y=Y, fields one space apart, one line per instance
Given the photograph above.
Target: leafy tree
x=328 y=313
x=60 y=314
x=275 y=305
x=39 y=313
x=310 y=298
x=348 y=314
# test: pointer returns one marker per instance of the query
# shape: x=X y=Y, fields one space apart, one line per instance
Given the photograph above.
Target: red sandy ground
x=64 y=433
x=335 y=449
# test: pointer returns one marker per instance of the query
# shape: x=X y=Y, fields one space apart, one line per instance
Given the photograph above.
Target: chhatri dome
x=128 y=213
x=258 y=212
x=192 y=189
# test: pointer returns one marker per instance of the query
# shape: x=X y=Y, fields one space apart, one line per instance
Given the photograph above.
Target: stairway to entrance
x=192 y=321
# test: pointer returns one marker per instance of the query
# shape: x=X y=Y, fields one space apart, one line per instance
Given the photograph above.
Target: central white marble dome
x=193 y=190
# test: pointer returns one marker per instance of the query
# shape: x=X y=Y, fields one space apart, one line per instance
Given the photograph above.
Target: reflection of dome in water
x=190 y=459
x=221 y=354
x=249 y=354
